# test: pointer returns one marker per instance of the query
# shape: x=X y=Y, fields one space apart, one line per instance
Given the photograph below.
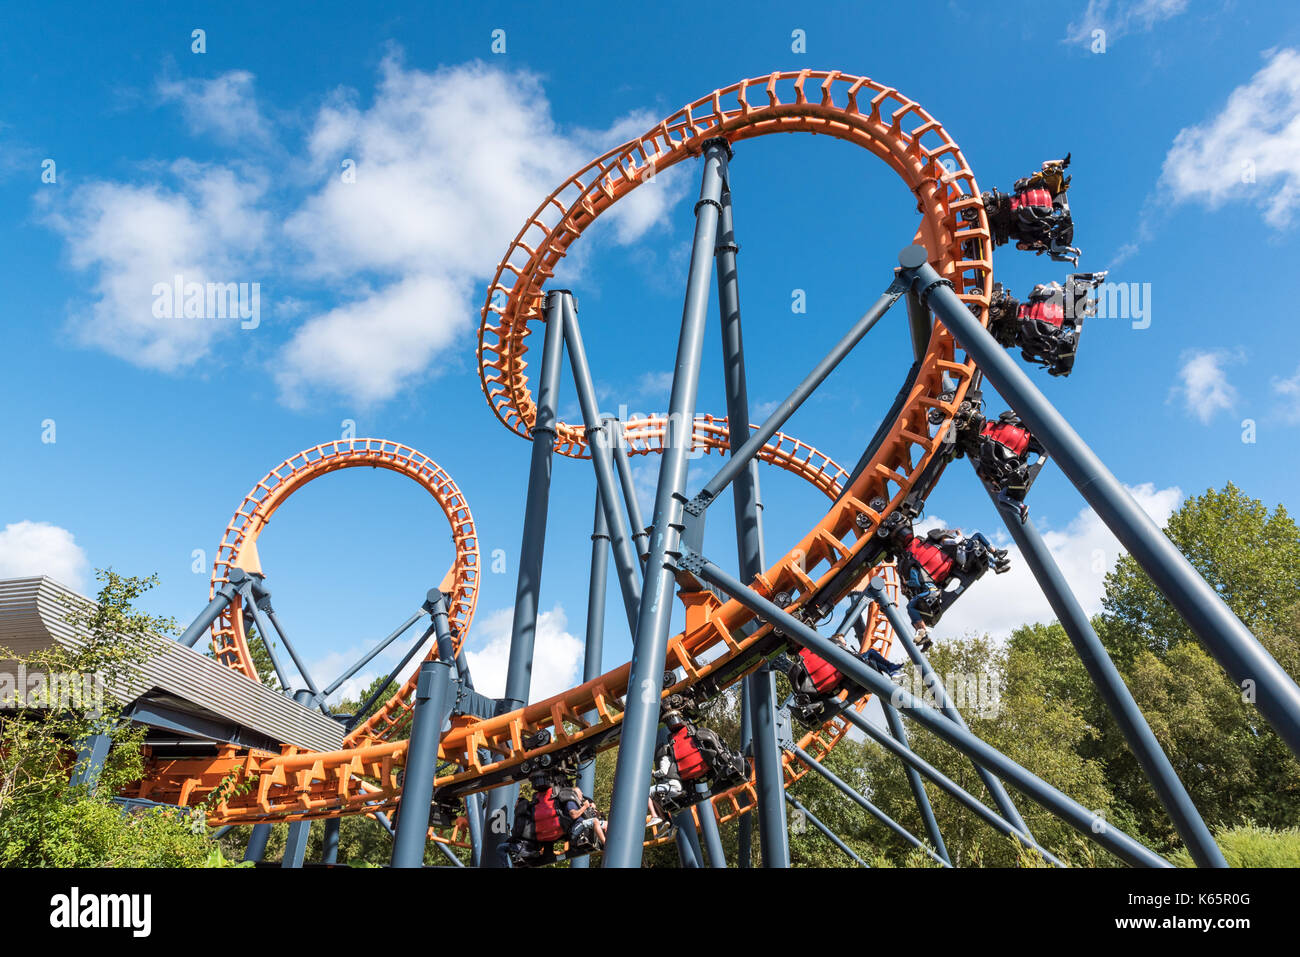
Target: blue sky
x=225 y=165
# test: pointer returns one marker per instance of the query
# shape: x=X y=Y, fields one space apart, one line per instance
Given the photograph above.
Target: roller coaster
x=445 y=761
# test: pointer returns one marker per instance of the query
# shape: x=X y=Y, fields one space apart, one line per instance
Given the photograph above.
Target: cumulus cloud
x=448 y=166
x=557 y=655
x=1250 y=150
x=1203 y=388
x=225 y=106
x=368 y=349
x=39 y=548
x=1122 y=17
x=1084 y=549
x=198 y=222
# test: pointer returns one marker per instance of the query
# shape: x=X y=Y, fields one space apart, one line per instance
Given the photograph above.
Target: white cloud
x=1124 y=16
x=1251 y=150
x=39 y=548
x=1084 y=549
x=557 y=655
x=367 y=350
x=449 y=164
x=1203 y=388
x=205 y=226
x=1289 y=390
x=224 y=105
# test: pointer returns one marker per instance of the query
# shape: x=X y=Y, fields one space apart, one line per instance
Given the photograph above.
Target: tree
x=1233 y=765
x=1250 y=556
x=47 y=820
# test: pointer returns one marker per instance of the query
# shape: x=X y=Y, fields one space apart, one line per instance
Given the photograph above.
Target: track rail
x=238 y=549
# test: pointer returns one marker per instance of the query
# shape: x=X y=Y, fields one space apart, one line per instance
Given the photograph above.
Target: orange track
x=297 y=785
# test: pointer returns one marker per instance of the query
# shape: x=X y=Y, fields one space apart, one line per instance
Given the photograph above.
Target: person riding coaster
x=691 y=756
x=1047 y=327
x=557 y=811
x=817 y=684
x=1001 y=452
x=937 y=569
x=1037 y=213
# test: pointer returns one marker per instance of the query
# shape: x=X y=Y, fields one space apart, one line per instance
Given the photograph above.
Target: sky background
x=1183 y=119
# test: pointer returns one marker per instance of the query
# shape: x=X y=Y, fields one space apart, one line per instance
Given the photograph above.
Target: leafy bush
x=1250 y=845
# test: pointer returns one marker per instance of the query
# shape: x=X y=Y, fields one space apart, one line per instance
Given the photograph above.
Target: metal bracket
x=924 y=294
x=689 y=560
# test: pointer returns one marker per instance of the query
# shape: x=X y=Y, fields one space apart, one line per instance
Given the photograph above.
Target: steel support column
x=249 y=606
x=759 y=689
x=431 y=706
x=523 y=632
x=709 y=828
x=330 y=841
x=256 y=849
x=917 y=785
x=1106 y=678
x=645 y=681
x=1063 y=806
x=90 y=760
x=594 y=651
x=1220 y=631
x=688 y=842
x=295 y=844
x=474 y=820
x=903 y=629
x=640 y=537
x=626 y=562
x=225 y=594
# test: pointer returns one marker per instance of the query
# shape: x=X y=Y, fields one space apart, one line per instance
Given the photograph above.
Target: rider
x=815 y=681
x=928 y=563
x=558 y=810
x=1037 y=214
x=688 y=757
x=1002 y=459
x=1046 y=327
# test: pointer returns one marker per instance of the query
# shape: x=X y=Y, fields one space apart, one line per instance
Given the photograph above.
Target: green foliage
x=363 y=842
x=1250 y=556
x=90 y=831
x=45 y=819
x=1249 y=845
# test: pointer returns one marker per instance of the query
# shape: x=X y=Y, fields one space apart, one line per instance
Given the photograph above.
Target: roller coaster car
x=695 y=756
x=1036 y=215
x=541 y=823
x=816 y=686
x=898 y=535
x=1048 y=326
x=1001 y=451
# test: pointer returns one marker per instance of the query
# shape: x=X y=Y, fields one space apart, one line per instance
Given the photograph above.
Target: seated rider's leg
x=914 y=610
x=881 y=663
